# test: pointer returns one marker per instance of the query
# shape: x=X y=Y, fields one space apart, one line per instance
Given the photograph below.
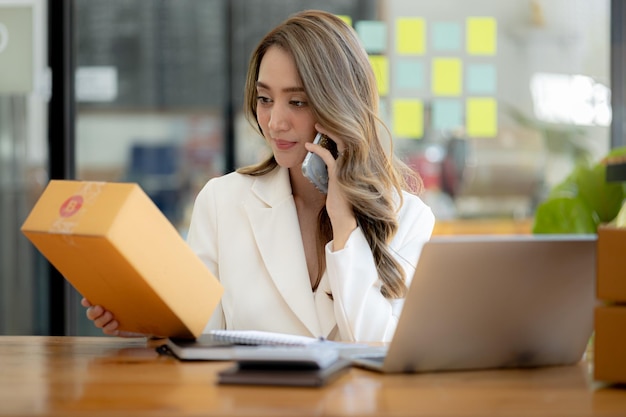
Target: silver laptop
x=484 y=302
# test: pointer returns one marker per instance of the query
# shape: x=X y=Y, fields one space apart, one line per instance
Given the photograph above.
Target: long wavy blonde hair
x=341 y=88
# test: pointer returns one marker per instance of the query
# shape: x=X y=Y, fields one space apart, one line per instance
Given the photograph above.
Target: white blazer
x=246 y=230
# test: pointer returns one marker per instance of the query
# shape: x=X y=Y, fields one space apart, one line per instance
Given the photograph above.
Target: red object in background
x=429 y=170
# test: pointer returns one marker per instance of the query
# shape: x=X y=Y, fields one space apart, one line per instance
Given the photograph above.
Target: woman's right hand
x=103 y=319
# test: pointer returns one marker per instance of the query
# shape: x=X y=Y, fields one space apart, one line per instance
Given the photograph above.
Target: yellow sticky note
x=447 y=76
x=345 y=18
x=408 y=118
x=481 y=35
x=380 y=65
x=410 y=35
x=481 y=117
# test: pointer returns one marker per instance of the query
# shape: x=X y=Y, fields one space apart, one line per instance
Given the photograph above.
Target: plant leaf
x=603 y=197
x=563 y=215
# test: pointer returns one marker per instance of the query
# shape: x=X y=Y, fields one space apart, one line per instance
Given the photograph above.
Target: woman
x=292 y=259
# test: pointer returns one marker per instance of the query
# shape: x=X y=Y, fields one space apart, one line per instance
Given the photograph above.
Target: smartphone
x=314 y=168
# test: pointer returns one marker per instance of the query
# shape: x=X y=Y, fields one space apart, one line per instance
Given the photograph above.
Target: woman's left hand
x=339 y=209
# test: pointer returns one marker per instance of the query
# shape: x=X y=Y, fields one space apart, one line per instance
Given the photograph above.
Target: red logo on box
x=71 y=206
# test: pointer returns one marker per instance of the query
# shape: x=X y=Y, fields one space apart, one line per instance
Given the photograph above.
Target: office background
x=492 y=102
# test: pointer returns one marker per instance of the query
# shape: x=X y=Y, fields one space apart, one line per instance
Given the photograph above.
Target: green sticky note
x=481 y=117
x=410 y=36
x=408 y=118
x=481 y=35
x=380 y=65
x=345 y=18
x=447 y=78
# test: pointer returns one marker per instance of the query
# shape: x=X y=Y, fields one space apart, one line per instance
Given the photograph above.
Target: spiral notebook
x=257 y=337
x=228 y=344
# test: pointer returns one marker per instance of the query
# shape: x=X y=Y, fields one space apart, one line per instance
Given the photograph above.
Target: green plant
x=581 y=202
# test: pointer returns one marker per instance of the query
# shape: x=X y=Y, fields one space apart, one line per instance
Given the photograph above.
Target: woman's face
x=283 y=110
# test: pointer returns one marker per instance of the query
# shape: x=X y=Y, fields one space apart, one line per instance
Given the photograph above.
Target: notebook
x=250 y=346
x=235 y=344
x=485 y=302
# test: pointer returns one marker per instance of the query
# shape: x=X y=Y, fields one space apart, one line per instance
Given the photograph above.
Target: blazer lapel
x=276 y=229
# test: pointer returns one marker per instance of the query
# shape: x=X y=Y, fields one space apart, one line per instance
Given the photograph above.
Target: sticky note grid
x=442 y=69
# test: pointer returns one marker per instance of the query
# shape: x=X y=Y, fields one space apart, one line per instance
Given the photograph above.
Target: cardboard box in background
x=611 y=268
x=610 y=319
x=114 y=245
x=610 y=344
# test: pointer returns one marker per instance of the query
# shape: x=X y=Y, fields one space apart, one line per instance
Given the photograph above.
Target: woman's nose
x=278 y=118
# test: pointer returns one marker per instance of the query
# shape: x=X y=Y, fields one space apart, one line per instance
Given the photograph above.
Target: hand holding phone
x=314 y=167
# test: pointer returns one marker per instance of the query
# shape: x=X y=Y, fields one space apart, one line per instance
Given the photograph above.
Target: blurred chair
x=157 y=169
x=496 y=176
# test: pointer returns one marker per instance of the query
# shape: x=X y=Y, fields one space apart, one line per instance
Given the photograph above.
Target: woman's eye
x=263 y=100
x=298 y=103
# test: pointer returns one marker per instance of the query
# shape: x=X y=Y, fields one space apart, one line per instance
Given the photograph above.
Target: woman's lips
x=284 y=144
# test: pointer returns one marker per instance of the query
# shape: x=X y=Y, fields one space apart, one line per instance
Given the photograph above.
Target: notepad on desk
x=258 y=337
x=228 y=344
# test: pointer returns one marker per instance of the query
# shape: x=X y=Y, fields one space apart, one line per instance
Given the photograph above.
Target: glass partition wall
x=491 y=102
x=23 y=163
x=159 y=89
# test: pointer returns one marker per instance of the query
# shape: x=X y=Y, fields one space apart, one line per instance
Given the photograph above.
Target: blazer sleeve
x=362 y=312
x=202 y=238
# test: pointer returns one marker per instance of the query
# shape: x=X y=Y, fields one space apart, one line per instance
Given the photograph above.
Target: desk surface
x=80 y=376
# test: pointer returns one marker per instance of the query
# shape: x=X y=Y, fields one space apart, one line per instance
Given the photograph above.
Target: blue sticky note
x=409 y=74
x=446 y=36
x=373 y=35
x=481 y=79
x=383 y=111
x=447 y=114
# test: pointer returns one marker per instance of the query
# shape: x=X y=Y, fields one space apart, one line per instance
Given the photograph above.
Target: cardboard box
x=609 y=350
x=113 y=244
x=611 y=267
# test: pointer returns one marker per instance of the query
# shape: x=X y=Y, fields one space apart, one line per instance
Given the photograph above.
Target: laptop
x=491 y=302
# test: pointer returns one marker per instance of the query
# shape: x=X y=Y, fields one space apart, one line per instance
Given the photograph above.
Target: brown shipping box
x=115 y=246
x=611 y=268
x=610 y=344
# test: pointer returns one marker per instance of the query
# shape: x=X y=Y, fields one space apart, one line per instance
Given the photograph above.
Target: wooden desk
x=74 y=376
